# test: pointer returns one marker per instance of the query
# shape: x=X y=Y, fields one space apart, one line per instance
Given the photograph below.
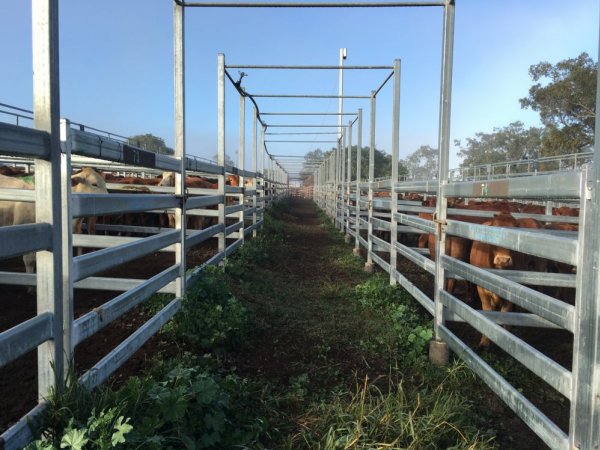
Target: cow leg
x=29 y=260
x=91 y=224
x=470 y=292
x=450 y=285
x=506 y=306
x=77 y=229
x=486 y=305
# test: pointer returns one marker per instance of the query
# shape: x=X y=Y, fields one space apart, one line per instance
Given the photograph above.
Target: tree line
x=564 y=95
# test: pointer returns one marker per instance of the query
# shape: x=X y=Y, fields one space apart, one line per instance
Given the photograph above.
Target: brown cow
x=566 y=211
x=523 y=261
x=198 y=222
x=489 y=256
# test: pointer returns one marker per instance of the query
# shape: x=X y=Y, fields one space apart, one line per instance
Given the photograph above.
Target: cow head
x=503 y=257
x=232 y=180
x=88 y=181
x=168 y=179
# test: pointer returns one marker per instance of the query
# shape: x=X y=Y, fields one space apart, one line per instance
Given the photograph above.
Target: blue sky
x=117 y=64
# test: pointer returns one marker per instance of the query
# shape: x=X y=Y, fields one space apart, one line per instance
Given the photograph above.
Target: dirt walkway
x=308 y=327
x=310 y=334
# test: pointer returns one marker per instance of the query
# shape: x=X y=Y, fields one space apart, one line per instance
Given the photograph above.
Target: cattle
x=87 y=181
x=17 y=213
x=529 y=262
x=109 y=177
x=532 y=209
x=198 y=222
x=9 y=209
x=489 y=256
x=168 y=179
x=132 y=219
x=12 y=171
x=565 y=211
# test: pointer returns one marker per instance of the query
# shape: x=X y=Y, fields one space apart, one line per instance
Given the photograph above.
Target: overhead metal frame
x=286 y=168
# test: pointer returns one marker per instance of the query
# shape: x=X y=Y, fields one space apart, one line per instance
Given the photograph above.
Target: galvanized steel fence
x=362 y=209
x=51 y=148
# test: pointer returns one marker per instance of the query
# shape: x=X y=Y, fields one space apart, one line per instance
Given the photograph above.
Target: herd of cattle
x=92 y=181
x=489 y=256
x=480 y=254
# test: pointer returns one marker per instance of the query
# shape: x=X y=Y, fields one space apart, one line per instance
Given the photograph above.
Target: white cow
x=87 y=181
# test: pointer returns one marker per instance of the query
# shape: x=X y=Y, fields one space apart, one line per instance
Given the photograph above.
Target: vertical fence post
x=254 y=169
x=262 y=175
x=271 y=180
x=358 y=177
x=333 y=186
x=438 y=350
x=585 y=404
x=67 y=239
x=180 y=211
x=242 y=164
x=51 y=295
x=349 y=182
x=394 y=180
x=337 y=182
x=369 y=266
x=221 y=145
x=341 y=189
x=317 y=190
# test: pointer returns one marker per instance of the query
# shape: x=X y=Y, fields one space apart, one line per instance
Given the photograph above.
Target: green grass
x=280 y=354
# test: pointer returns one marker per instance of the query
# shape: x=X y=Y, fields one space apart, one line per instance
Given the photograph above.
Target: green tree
x=422 y=164
x=382 y=165
x=566 y=103
x=150 y=142
x=510 y=143
x=311 y=160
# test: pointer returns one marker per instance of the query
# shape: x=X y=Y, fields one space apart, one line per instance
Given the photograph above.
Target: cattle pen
x=352 y=203
x=360 y=206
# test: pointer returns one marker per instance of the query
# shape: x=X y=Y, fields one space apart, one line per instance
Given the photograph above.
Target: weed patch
x=395 y=418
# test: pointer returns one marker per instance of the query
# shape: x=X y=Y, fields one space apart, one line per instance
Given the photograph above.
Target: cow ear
x=76 y=180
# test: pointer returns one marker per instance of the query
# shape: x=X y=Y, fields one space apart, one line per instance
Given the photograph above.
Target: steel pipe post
x=67 y=240
x=394 y=180
x=221 y=144
x=180 y=212
x=262 y=174
x=369 y=266
x=341 y=189
x=254 y=169
x=348 y=182
x=51 y=293
x=585 y=399
x=358 y=179
x=242 y=163
x=334 y=192
x=444 y=149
